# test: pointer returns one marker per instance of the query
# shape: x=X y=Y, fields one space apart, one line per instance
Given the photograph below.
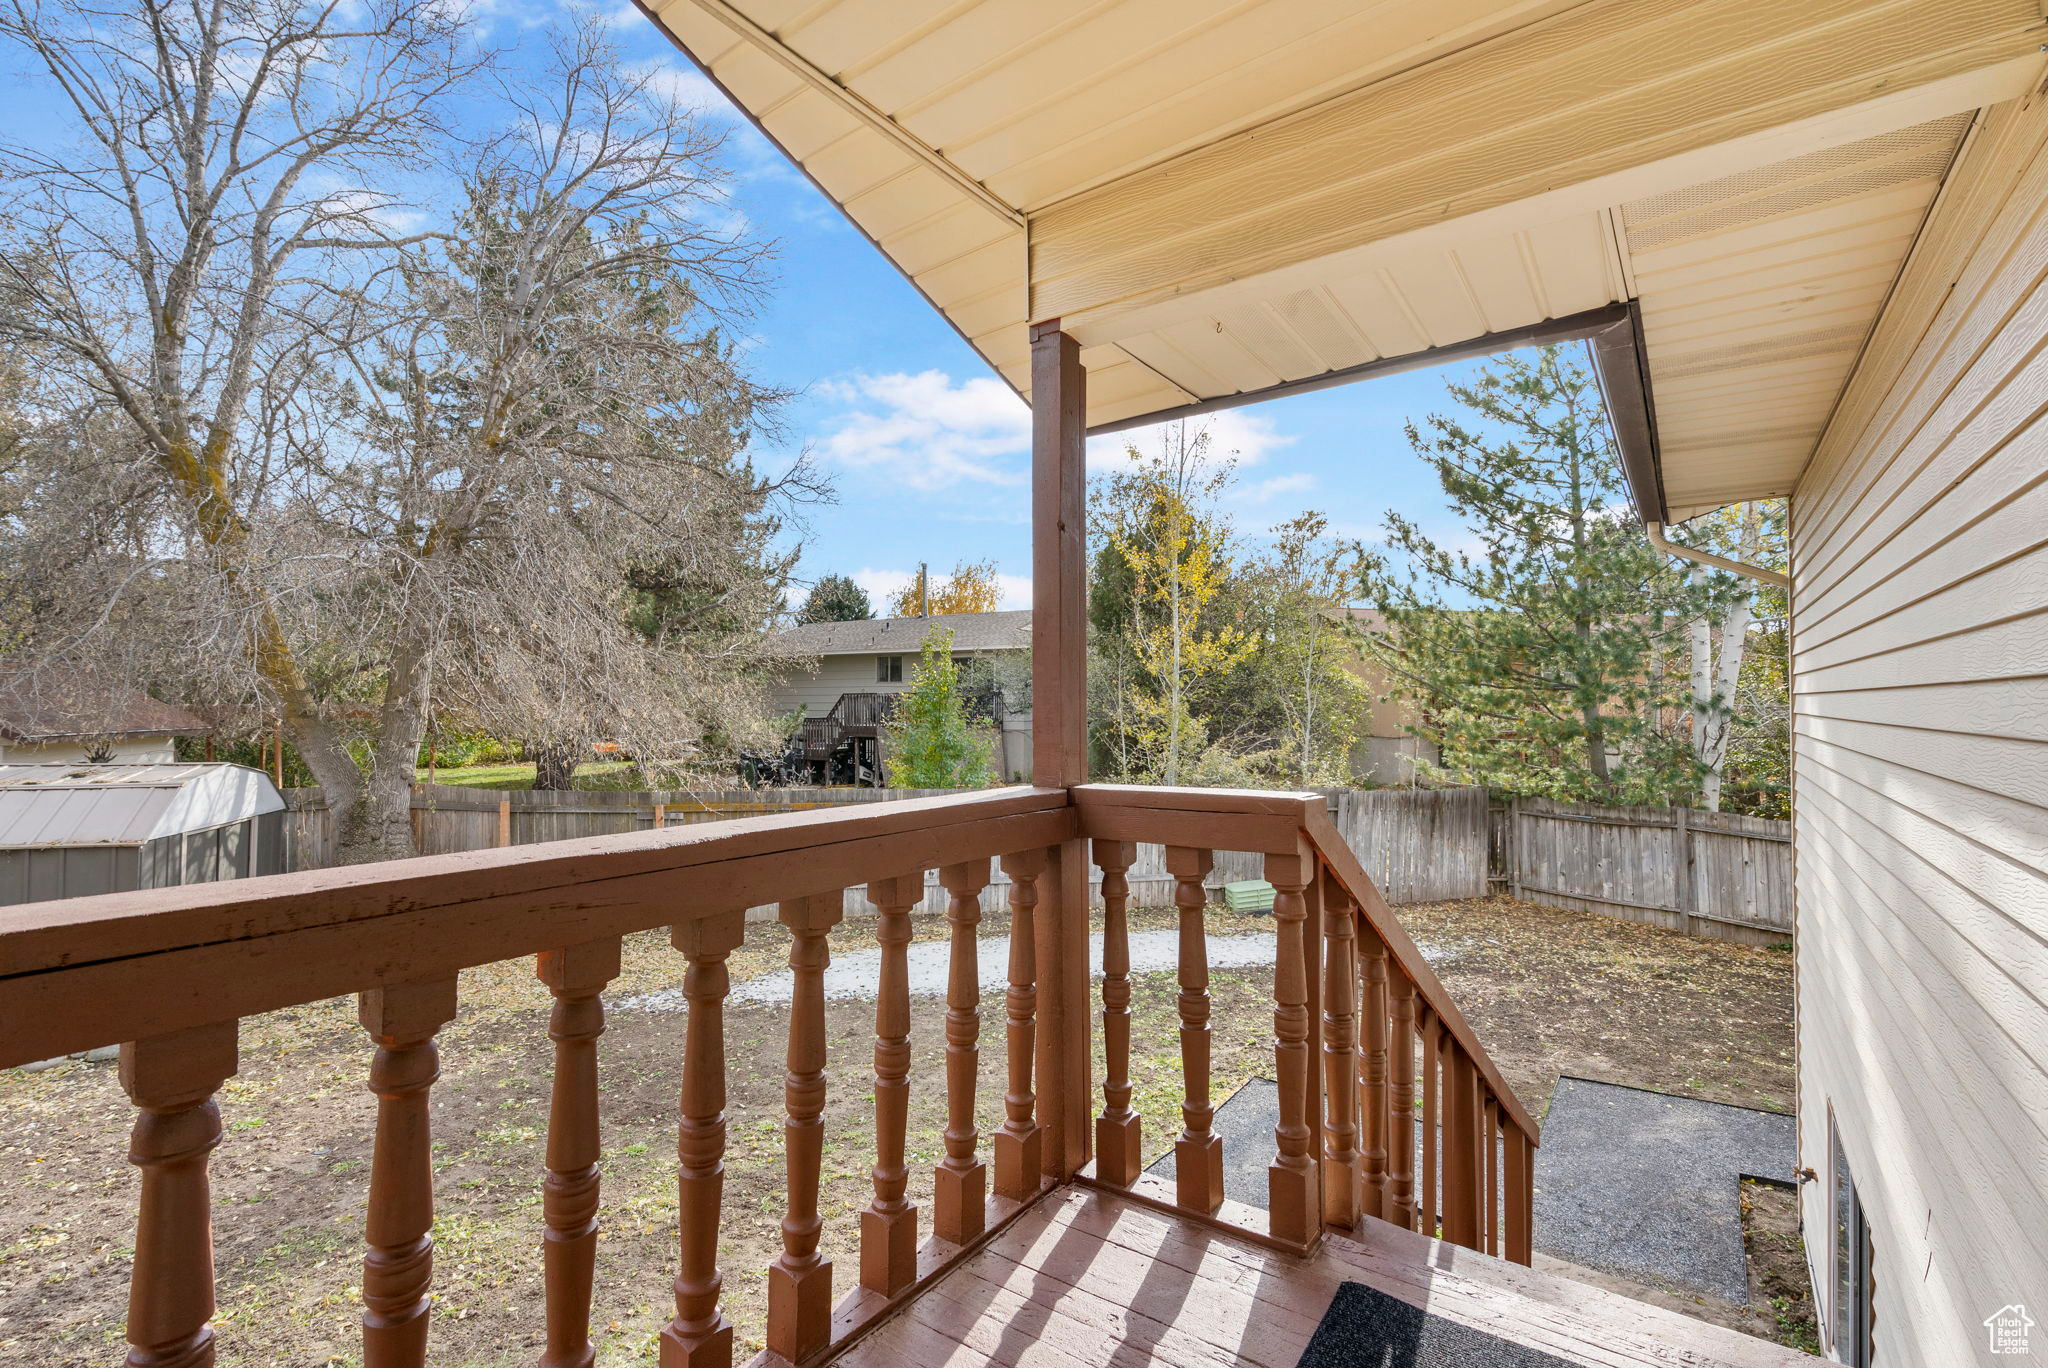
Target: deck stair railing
x=854 y=715
x=172 y=971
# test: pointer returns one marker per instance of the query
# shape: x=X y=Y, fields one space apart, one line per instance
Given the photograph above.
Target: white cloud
x=1264 y=491
x=884 y=585
x=675 y=80
x=1238 y=433
x=926 y=431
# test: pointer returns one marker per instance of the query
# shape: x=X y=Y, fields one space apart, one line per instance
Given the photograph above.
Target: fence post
x=1515 y=847
x=504 y=821
x=1681 y=868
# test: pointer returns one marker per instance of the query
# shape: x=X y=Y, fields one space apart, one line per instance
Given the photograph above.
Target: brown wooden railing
x=1350 y=989
x=171 y=972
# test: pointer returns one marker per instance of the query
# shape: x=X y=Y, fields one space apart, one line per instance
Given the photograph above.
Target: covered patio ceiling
x=1224 y=199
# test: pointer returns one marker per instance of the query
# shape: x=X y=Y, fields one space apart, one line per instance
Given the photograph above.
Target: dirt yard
x=1550 y=992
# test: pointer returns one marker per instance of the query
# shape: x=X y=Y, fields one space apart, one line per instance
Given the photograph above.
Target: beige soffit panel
x=970 y=139
x=1757 y=291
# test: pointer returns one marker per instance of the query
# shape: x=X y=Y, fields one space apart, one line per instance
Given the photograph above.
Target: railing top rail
x=1311 y=812
x=91 y=971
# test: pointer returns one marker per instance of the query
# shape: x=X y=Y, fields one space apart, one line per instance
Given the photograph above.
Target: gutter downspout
x=1672 y=548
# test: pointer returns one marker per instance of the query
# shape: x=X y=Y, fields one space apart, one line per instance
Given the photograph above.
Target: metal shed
x=71 y=830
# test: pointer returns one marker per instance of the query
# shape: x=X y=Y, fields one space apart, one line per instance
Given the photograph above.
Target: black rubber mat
x=1366 y=1328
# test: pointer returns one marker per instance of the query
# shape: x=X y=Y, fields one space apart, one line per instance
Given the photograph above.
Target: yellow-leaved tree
x=972 y=588
x=1159 y=524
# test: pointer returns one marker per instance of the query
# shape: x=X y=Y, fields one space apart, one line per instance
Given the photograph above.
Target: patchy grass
x=607 y=775
x=1550 y=992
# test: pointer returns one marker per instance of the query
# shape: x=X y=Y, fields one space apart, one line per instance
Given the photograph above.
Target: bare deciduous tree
x=497 y=467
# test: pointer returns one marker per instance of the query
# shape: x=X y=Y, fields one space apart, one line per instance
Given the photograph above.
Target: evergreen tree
x=931 y=744
x=835 y=598
x=1535 y=659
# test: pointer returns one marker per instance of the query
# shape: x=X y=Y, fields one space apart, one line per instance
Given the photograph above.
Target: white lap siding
x=840 y=674
x=1920 y=666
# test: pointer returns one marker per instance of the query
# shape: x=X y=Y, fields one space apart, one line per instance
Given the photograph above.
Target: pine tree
x=931 y=743
x=1535 y=659
x=835 y=598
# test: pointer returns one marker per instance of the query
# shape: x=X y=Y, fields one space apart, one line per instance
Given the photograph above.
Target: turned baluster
x=960 y=1185
x=1340 y=1061
x=1018 y=1146
x=800 y=1281
x=1432 y=1123
x=1462 y=1190
x=575 y=976
x=1198 y=1153
x=700 y=1336
x=398 y=1270
x=1292 y=1207
x=888 y=1228
x=1119 y=1145
x=171 y=1079
x=1401 y=1102
x=1372 y=967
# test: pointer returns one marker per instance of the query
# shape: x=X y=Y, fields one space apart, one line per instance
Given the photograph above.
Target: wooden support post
x=1198 y=1153
x=1059 y=559
x=1119 y=1144
x=504 y=822
x=700 y=1336
x=1401 y=1102
x=1292 y=1209
x=1372 y=968
x=1340 y=1061
x=800 y=1281
x=960 y=1186
x=1059 y=732
x=1019 y=1157
x=660 y=816
x=171 y=1079
x=398 y=1270
x=575 y=976
x=888 y=1228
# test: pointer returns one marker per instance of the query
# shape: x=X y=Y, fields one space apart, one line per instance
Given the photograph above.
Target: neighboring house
x=54 y=717
x=1387 y=753
x=834 y=660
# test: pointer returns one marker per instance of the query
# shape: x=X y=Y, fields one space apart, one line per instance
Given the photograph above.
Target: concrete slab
x=1648 y=1186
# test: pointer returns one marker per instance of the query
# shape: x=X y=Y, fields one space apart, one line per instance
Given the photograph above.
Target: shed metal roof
x=121 y=805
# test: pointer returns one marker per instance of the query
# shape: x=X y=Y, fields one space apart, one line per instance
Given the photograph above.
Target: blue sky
x=926 y=446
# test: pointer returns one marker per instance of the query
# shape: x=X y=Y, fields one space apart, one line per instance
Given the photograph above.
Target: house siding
x=836 y=675
x=1920 y=677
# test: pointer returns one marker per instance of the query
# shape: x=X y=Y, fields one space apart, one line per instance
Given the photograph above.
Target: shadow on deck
x=1089 y=1277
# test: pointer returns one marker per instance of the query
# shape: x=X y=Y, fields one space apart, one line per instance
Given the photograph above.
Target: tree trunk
x=554 y=764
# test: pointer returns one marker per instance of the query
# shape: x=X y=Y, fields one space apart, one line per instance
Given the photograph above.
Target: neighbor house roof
x=48 y=705
x=1224 y=202
x=971 y=632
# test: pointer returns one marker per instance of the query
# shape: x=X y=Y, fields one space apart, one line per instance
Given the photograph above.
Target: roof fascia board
x=1568 y=329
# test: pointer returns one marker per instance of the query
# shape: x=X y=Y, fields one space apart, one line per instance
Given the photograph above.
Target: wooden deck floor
x=1092 y=1278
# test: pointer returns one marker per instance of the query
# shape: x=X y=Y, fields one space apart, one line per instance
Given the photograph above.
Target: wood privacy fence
x=1716 y=874
x=1712 y=874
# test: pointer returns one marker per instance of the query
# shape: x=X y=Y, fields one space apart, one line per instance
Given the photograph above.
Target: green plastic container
x=1248 y=895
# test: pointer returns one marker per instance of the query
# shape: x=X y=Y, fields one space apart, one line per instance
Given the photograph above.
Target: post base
x=1119 y=1149
x=1019 y=1157
x=1198 y=1173
x=799 y=1309
x=1291 y=1202
x=888 y=1250
x=960 y=1202
x=712 y=1349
